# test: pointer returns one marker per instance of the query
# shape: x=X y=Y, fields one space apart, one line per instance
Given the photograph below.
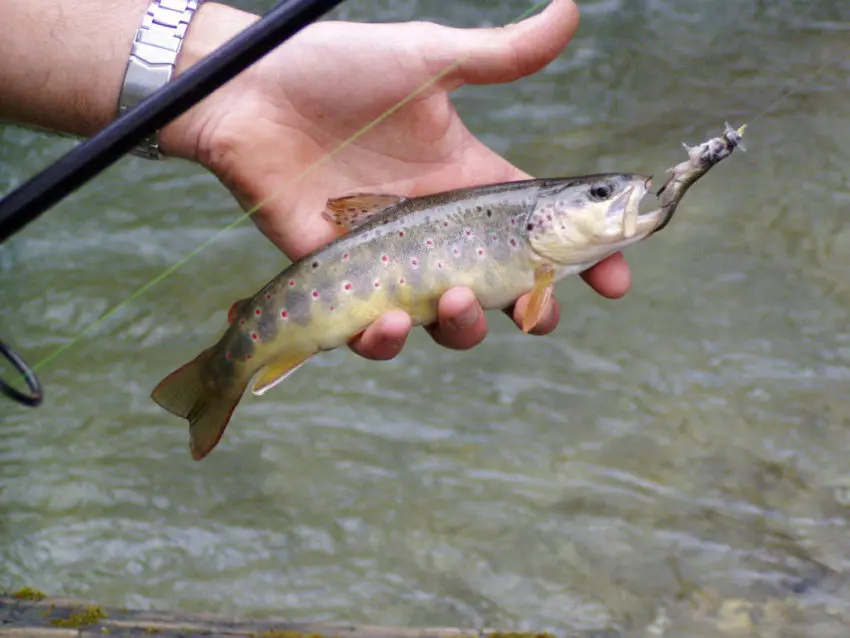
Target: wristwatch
x=151 y=64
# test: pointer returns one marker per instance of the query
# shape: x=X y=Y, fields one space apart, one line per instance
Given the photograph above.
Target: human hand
x=273 y=135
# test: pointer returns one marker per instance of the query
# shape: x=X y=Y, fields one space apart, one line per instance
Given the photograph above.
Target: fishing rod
x=85 y=161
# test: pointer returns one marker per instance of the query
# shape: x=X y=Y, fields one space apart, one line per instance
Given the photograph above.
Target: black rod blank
x=88 y=159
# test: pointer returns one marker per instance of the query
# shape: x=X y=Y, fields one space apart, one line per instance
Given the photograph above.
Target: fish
x=391 y=252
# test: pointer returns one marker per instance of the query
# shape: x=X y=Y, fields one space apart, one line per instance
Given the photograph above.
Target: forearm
x=64 y=61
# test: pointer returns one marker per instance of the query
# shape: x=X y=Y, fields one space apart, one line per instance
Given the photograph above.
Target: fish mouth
x=626 y=206
x=654 y=220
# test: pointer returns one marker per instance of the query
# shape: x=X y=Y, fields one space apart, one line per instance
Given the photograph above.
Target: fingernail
x=466 y=318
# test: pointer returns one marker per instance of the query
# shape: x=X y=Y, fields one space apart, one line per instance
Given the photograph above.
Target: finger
x=461 y=323
x=385 y=338
x=548 y=322
x=505 y=54
x=611 y=277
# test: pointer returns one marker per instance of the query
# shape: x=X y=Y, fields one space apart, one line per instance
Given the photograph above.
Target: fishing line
x=310 y=168
x=827 y=65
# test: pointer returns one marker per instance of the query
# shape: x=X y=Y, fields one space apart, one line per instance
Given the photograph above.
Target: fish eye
x=601 y=190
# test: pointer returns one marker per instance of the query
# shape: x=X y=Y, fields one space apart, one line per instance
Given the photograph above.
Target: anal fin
x=350 y=211
x=276 y=371
x=541 y=292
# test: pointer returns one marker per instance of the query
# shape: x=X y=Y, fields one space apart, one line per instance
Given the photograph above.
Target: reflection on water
x=672 y=463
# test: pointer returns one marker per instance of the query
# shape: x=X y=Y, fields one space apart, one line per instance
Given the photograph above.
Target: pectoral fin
x=350 y=211
x=544 y=284
x=276 y=371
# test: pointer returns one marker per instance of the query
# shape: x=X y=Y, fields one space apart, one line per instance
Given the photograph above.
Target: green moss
x=88 y=616
x=286 y=633
x=28 y=593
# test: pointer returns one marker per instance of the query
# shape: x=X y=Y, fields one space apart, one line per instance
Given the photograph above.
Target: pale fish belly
x=379 y=282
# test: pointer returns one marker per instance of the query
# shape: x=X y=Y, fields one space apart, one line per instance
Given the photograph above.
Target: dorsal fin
x=236 y=308
x=351 y=211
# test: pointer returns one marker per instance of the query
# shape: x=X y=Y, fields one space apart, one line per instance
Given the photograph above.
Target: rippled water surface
x=672 y=463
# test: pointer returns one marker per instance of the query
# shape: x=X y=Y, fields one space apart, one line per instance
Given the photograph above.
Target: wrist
x=213 y=25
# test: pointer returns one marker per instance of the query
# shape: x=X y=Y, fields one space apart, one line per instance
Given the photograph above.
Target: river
x=671 y=463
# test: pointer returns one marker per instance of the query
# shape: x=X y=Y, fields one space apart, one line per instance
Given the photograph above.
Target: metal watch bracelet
x=152 y=58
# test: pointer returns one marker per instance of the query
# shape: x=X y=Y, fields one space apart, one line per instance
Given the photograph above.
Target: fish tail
x=186 y=393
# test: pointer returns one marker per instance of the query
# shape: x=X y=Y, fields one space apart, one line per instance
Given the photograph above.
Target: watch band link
x=152 y=58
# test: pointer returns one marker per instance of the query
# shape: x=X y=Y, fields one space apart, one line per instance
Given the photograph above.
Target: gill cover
x=585 y=219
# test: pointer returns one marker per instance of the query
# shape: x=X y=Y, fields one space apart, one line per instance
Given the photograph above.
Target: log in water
x=31 y=613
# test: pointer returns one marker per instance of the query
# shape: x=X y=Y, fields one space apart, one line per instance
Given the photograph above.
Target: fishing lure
x=701 y=159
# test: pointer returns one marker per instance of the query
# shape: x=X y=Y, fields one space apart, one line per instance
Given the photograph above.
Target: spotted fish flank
x=501 y=240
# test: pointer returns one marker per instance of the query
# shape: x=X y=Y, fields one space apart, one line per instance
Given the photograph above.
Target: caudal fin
x=185 y=393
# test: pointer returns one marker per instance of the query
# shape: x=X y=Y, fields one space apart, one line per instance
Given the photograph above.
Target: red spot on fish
x=456 y=251
x=446 y=224
x=513 y=243
x=377 y=284
x=284 y=314
x=429 y=242
x=414 y=261
x=228 y=356
x=255 y=336
x=513 y=222
x=249 y=356
x=345 y=255
x=291 y=283
x=468 y=233
x=331 y=308
x=241 y=322
x=385 y=258
x=401 y=233
x=347 y=286
x=401 y=281
x=257 y=312
x=440 y=265
x=480 y=252
x=315 y=294
x=495 y=238
x=268 y=296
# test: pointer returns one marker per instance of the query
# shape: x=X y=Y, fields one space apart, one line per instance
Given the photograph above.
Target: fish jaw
x=576 y=228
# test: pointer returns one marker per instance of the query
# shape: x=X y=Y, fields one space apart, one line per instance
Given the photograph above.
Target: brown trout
x=501 y=241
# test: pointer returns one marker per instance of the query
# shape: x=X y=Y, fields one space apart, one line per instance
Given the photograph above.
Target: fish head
x=584 y=219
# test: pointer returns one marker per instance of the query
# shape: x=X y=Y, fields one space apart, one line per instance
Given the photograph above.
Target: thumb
x=505 y=54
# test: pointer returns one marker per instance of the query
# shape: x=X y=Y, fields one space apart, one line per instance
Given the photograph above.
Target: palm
x=421 y=147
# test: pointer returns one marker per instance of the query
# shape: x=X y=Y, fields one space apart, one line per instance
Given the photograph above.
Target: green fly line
x=172 y=269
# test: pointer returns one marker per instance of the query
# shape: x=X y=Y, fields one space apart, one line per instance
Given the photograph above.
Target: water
x=672 y=463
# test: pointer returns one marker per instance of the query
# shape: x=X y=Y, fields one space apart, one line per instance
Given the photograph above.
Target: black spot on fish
x=315 y=264
x=530 y=226
x=489 y=213
x=241 y=346
x=298 y=305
